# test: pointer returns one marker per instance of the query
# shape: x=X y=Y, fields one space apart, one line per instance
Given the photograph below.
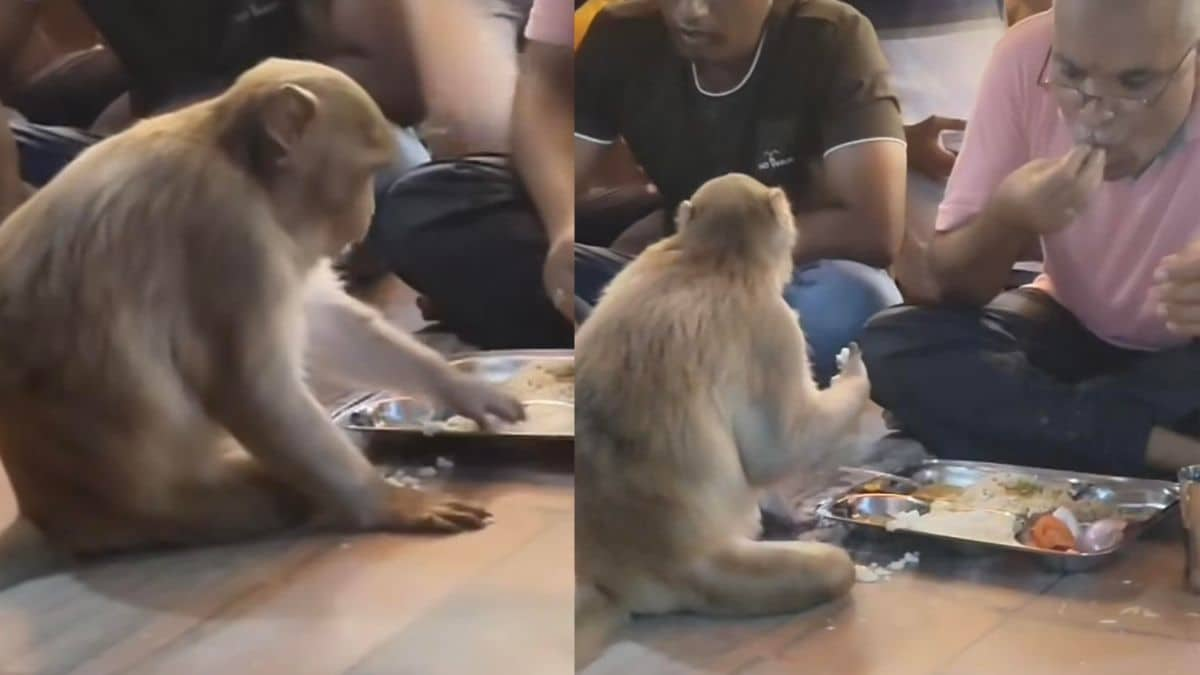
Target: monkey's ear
x=683 y=215
x=288 y=112
x=780 y=205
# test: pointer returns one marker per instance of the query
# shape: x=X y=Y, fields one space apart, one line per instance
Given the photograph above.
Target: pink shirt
x=1100 y=268
x=552 y=21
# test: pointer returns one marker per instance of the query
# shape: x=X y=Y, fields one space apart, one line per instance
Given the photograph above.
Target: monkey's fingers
x=461 y=519
x=467 y=507
x=508 y=409
x=435 y=523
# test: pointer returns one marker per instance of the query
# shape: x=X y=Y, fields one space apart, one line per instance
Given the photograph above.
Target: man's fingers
x=1187 y=329
x=1092 y=171
x=938 y=163
x=1072 y=162
x=1181 y=315
x=1181 y=268
x=1177 y=292
x=949 y=124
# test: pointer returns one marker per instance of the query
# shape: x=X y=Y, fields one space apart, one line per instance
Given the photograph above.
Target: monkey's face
x=331 y=148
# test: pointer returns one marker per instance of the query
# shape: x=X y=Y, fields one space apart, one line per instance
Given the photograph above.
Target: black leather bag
x=465 y=234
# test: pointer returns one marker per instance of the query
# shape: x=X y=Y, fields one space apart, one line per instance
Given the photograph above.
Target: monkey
x=694 y=393
x=153 y=329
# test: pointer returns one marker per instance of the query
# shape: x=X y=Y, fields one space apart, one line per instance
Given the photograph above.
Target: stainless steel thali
x=386 y=423
x=1141 y=502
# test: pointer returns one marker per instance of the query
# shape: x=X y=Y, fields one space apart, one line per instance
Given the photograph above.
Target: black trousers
x=1023 y=382
x=465 y=236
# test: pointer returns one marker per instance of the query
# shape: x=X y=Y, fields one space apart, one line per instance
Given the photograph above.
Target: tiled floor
x=953 y=615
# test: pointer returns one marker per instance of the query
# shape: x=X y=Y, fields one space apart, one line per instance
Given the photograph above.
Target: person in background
x=938 y=50
x=1085 y=137
x=792 y=93
x=543 y=116
x=173 y=52
x=490 y=248
x=1019 y=10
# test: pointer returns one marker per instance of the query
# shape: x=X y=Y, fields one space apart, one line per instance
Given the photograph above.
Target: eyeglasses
x=1047 y=80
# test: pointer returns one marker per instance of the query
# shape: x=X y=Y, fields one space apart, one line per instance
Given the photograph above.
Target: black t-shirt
x=179 y=49
x=819 y=82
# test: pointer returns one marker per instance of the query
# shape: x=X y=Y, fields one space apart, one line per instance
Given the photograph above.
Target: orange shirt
x=584 y=17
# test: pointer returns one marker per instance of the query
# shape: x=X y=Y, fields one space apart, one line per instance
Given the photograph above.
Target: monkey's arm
x=351 y=340
x=253 y=387
x=786 y=422
x=354 y=341
x=868 y=183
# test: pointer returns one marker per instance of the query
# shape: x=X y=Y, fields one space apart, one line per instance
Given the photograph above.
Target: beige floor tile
x=1000 y=581
x=336 y=611
x=884 y=627
x=513 y=619
x=1037 y=648
x=1141 y=593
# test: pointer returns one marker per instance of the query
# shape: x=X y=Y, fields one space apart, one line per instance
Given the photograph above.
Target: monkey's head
x=736 y=218
x=314 y=139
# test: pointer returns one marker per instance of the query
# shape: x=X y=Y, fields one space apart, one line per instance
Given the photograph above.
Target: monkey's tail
x=26 y=554
x=598 y=617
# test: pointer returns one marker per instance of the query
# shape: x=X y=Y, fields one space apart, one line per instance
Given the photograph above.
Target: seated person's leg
x=1019 y=382
x=595 y=267
x=410 y=153
x=603 y=215
x=834 y=299
x=476 y=256
x=46 y=150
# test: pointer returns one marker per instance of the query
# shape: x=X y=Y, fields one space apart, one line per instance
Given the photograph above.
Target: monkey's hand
x=406 y=509
x=850 y=363
x=476 y=400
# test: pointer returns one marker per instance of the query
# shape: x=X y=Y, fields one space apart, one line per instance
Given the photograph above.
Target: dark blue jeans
x=44 y=151
x=1021 y=381
x=834 y=298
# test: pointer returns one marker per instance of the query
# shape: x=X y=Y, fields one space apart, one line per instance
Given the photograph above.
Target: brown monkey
x=152 y=302
x=694 y=392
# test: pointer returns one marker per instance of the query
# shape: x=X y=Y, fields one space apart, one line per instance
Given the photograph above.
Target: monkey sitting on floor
x=694 y=392
x=152 y=302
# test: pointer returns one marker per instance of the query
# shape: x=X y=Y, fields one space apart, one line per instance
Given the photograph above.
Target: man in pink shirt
x=1086 y=133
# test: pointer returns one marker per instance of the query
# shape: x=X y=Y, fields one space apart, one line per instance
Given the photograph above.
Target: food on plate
x=1102 y=535
x=543 y=381
x=540 y=418
x=1050 y=533
x=977 y=525
x=937 y=491
x=1024 y=496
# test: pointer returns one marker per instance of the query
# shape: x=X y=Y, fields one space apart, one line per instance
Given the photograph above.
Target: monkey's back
x=98 y=345
x=657 y=366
